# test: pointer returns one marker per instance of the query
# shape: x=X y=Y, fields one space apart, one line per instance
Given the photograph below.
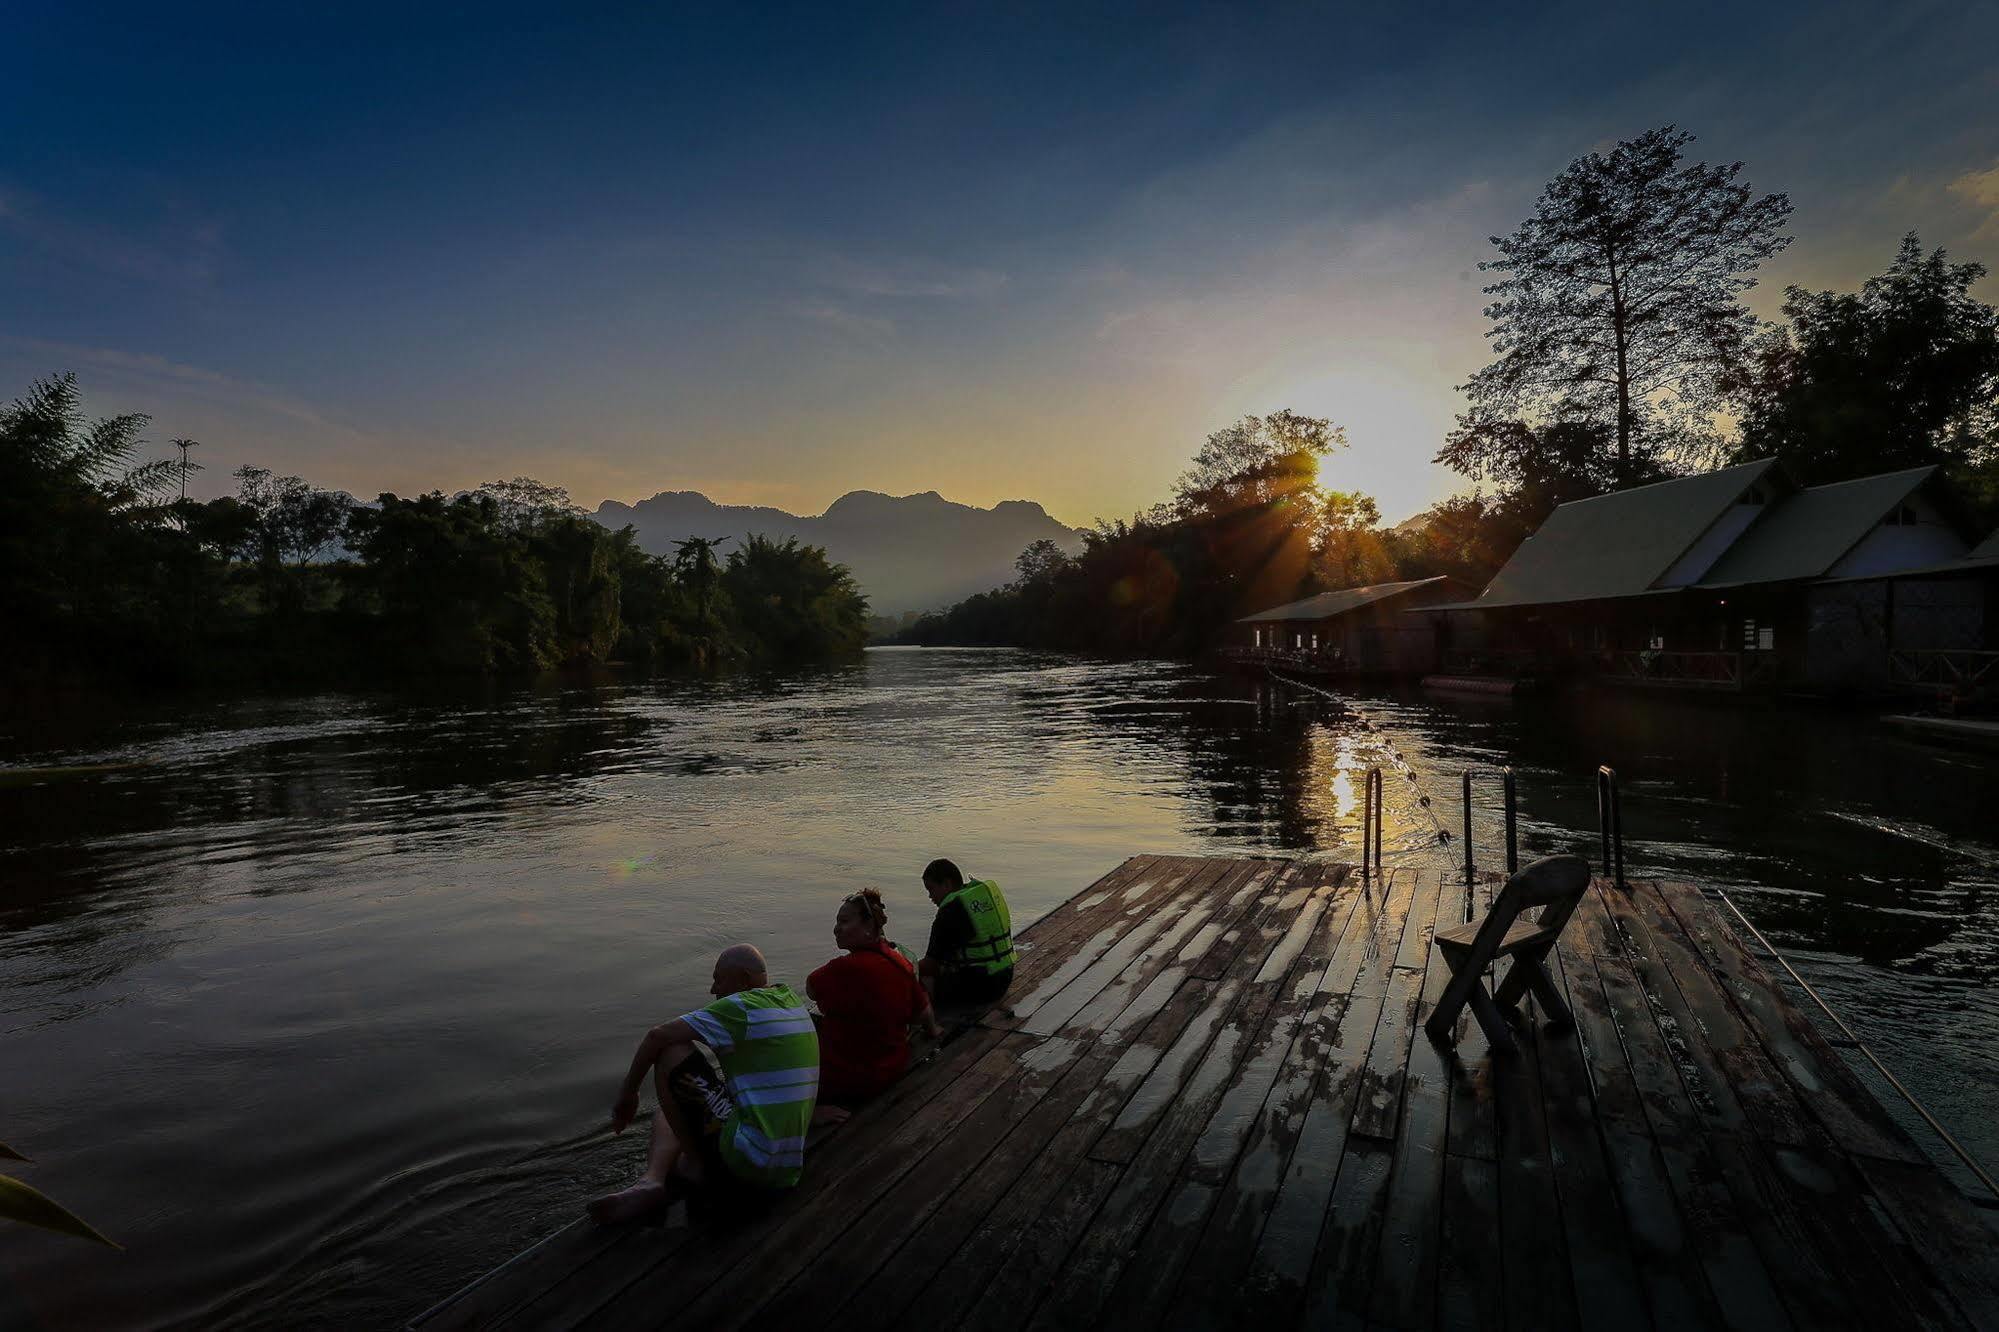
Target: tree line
x=1622 y=354
x=111 y=573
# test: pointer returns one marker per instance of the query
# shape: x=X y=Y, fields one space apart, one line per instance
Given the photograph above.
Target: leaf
x=20 y=1203
x=9 y=1154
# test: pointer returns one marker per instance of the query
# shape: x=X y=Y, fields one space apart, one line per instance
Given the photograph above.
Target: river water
x=317 y=1004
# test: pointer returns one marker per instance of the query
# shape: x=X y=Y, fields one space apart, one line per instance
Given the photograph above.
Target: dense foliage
x=1902 y=373
x=107 y=574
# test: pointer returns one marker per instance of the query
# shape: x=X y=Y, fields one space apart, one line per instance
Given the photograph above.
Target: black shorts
x=964 y=989
x=697 y=1087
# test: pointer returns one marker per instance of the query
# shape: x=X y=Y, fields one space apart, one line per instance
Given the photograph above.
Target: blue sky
x=776 y=253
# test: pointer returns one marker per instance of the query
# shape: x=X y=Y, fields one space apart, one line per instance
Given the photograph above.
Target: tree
x=1351 y=551
x=524 y=503
x=1619 y=303
x=695 y=563
x=792 y=603
x=1256 y=461
x=297 y=522
x=1901 y=374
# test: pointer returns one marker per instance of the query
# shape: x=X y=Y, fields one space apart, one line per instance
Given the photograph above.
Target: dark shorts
x=696 y=1085
x=964 y=989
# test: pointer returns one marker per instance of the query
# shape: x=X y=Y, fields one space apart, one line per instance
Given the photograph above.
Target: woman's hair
x=869 y=900
x=944 y=872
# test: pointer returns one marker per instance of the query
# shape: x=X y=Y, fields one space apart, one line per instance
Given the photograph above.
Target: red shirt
x=867 y=999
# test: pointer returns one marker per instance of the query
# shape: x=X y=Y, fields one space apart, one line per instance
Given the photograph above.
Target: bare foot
x=829 y=1115
x=628 y=1205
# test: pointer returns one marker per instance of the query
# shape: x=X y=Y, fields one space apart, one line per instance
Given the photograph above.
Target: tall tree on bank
x=1903 y=373
x=1619 y=305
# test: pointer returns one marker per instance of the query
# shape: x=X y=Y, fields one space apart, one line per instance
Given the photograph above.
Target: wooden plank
x=1743 y=1289
x=1090 y=1275
x=1830 y=1089
x=1343 y=1269
x=1281 y=1266
x=1049 y=1013
x=1068 y=943
x=925 y=1250
x=1159 y=1099
x=1044 y=945
x=1287 y=979
x=1032 y=1265
x=1603 y=1271
x=1378 y=1104
x=828 y=1267
x=1213 y=949
x=1955 y=1242
x=1171 y=958
x=1405 y=1284
x=1675 y=1290
x=1831 y=1255
x=794 y=1219
x=1037 y=1219
x=1470 y=1286
x=1748 y=1091
x=1320 y=991
x=1534 y=1253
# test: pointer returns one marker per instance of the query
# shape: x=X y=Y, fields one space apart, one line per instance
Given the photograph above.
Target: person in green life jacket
x=736 y=1082
x=970 y=957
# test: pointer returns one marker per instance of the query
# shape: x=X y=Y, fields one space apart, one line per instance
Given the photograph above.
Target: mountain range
x=908 y=552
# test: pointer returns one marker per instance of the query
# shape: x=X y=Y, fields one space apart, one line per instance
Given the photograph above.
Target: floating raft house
x=1210 y=1103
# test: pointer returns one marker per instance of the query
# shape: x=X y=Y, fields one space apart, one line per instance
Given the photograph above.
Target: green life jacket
x=990 y=949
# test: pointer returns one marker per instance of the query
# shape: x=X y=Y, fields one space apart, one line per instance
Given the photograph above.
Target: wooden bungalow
x=1732 y=579
x=1352 y=631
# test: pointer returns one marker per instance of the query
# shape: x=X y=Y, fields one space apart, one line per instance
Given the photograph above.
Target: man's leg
x=676 y=1089
x=672 y=1138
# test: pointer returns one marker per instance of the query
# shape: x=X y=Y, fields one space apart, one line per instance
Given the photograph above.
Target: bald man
x=736 y=1083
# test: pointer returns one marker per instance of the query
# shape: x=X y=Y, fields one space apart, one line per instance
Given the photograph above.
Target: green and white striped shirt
x=769 y=1052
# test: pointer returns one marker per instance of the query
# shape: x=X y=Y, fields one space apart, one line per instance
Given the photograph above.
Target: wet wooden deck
x=1211 y=1103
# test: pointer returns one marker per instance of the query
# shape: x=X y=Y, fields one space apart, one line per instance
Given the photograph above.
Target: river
x=317 y=1004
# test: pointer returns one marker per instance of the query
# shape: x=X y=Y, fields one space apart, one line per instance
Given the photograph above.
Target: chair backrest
x=1554 y=882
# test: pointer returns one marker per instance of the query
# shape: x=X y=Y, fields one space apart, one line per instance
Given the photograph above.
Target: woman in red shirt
x=868 y=999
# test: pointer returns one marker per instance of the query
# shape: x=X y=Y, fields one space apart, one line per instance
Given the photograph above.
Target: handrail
x=1512 y=829
x=1370 y=824
x=1610 y=824
x=1860 y=1045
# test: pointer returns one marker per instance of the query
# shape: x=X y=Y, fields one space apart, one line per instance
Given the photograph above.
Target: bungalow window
x=1656 y=641
x=1758 y=638
x=1904 y=516
x=1315 y=642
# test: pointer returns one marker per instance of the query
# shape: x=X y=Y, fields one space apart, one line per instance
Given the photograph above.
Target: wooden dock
x=1211 y=1103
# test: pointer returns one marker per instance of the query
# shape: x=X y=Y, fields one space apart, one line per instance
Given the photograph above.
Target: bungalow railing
x=1959 y=671
x=1693 y=670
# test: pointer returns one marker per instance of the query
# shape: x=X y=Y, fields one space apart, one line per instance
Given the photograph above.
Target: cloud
x=906 y=279
x=210 y=384
x=179 y=248
x=828 y=314
x=1981 y=190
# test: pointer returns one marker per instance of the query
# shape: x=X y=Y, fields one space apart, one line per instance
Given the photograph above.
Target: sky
x=777 y=253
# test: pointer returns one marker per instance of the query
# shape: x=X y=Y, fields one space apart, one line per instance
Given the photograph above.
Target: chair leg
x=1550 y=995
x=1443 y=1021
x=1491 y=1021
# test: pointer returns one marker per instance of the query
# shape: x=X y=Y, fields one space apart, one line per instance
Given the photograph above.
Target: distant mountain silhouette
x=909 y=552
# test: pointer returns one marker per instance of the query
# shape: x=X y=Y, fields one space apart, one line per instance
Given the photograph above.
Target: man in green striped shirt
x=736 y=1083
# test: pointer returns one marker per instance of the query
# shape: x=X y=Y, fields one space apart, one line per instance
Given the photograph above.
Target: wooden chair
x=1554 y=884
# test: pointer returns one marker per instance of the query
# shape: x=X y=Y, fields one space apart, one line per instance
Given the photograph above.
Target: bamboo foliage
x=23 y=1203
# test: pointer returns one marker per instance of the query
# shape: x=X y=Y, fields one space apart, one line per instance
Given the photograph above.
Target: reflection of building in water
x=1740 y=579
